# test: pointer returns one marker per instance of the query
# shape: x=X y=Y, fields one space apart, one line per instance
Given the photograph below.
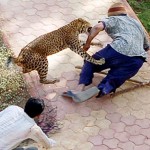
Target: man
x=17 y=125
x=124 y=56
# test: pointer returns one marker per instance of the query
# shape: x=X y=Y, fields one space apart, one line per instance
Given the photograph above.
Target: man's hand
x=86 y=47
x=52 y=142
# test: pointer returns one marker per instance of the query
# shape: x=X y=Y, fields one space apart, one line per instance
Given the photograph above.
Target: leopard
x=34 y=55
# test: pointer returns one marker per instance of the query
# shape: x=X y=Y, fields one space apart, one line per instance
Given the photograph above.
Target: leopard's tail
x=10 y=60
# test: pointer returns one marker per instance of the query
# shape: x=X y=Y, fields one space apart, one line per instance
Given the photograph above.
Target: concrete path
x=118 y=123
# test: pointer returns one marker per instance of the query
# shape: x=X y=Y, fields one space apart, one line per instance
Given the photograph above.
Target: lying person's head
x=34 y=107
x=116 y=9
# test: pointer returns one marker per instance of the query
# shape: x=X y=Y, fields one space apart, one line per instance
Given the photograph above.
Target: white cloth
x=16 y=126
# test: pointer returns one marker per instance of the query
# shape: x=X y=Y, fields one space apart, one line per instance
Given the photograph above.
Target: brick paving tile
x=85 y=112
x=115 y=117
x=111 y=143
x=126 y=145
x=123 y=136
x=96 y=140
x=129 y=120
x=133 y=130
x=102 y=147
x=138 y=140
x=144 y=123
x=145 y=132
x=92 y=131
x=118 y=127
x=145 y=147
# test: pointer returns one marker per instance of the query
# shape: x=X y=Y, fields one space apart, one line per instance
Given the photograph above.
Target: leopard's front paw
x=101 y=61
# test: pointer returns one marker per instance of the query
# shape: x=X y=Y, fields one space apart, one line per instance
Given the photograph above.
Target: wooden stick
x=130 y=89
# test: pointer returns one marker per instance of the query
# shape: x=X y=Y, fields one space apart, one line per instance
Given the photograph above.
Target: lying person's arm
x=40 y=137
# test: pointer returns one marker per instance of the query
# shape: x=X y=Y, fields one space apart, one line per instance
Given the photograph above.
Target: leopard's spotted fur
x=34 y=55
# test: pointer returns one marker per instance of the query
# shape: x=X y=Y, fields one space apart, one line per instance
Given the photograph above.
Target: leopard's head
x=82 y=25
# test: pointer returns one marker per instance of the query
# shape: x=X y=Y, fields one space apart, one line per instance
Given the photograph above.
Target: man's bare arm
x=93 y=33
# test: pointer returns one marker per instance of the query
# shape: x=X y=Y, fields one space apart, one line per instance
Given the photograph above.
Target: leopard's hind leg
x=26 y=70
x=43 y=70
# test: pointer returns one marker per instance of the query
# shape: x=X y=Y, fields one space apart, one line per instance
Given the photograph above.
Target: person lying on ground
x=124 y=56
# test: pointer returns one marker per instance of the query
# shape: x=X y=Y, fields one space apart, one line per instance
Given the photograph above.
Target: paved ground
x=118 y=123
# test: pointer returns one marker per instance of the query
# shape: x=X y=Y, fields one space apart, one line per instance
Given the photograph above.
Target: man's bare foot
x=80 y=88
